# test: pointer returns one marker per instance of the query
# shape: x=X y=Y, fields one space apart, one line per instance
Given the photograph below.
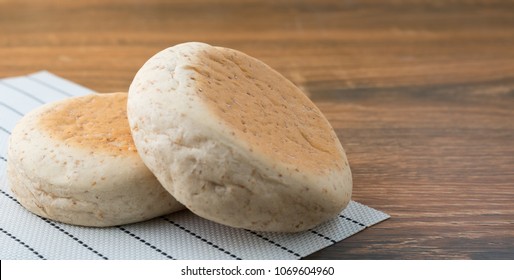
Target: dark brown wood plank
x=439 y=159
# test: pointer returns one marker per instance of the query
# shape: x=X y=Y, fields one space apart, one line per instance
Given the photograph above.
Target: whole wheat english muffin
x=74 y=161
x=235 y=141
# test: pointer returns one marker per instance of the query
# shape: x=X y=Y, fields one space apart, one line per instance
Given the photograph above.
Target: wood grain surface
x=421 y=94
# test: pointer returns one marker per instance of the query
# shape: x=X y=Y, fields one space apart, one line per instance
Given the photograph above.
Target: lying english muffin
x=74 y=161
x=235 y=141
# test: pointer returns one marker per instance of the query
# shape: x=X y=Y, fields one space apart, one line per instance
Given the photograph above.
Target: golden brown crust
x=272 y=115
x=97 y=121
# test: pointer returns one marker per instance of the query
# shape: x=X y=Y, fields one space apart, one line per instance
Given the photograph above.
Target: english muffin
x=235 y=141
x=74 y=161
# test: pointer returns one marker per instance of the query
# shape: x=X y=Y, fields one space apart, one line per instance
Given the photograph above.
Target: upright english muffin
x=235 y=141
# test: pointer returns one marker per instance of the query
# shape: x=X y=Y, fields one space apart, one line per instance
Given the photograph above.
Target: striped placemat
x=181 y=235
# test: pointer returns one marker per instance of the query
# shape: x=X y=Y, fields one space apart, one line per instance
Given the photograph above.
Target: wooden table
x=421 y=96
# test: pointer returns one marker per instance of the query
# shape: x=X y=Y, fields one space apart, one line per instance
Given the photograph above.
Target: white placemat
x=182 y=235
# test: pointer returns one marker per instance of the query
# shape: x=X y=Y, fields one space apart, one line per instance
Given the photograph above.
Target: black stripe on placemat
x=12 y=109
x=53 y=224
x=275 y=243
x=323 y=236
x=10 y=197
x=60 y=229
x=353 y=221
x=5 y=130
x=27 y=94
x=22 y=243
x=2 y=158
x=201 y=238
x=145 y=242
x=49 y=86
